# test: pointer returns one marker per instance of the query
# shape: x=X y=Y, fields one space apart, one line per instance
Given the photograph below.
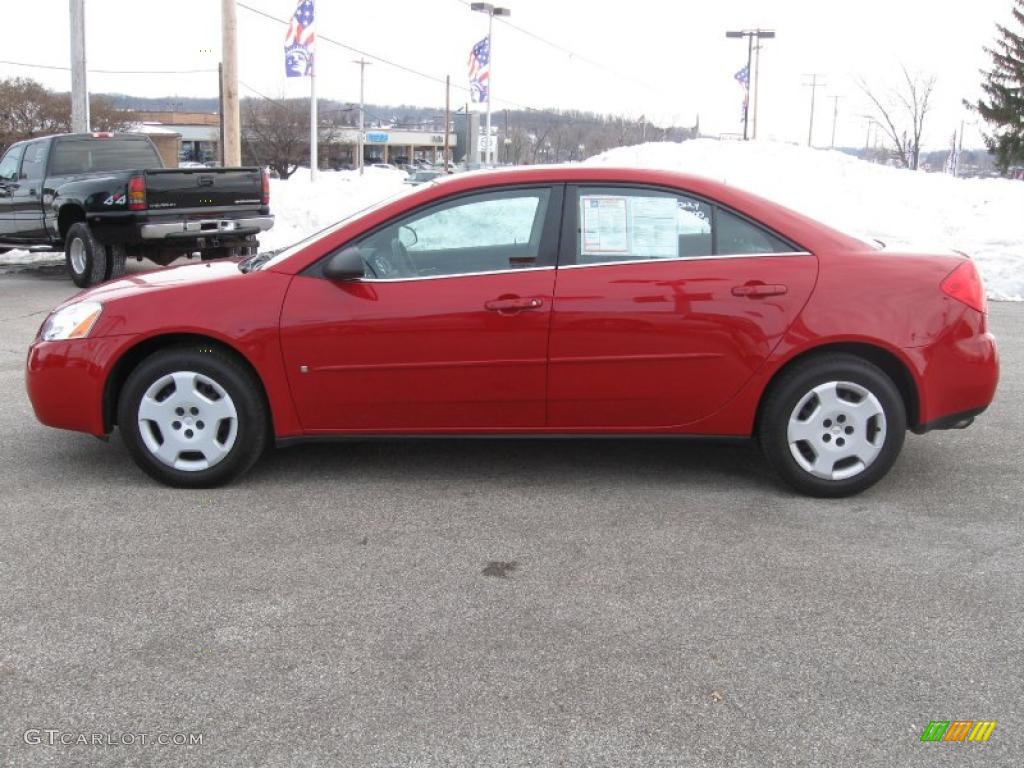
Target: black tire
x=252 y=428
x=795 y=387
x=94 y=256
x=117 y=260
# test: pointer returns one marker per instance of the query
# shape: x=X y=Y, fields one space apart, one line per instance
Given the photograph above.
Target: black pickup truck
x=105 y=197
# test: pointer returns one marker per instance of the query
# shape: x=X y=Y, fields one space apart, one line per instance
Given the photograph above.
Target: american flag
x=743 y=76
x=298 y=42
x=479 y=69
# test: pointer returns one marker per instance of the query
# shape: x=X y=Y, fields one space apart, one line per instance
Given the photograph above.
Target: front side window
x=629 y=224
x=9 y=165
x=489 y=232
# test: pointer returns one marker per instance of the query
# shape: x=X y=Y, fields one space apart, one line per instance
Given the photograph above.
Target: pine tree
x=1003 y=105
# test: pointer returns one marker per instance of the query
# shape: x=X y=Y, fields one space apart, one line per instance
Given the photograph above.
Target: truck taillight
x=137 y=193
x=964 y=285
x=265 y=199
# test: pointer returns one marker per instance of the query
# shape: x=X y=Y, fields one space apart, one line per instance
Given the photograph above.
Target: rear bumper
x=186 y=230
x=957 y=376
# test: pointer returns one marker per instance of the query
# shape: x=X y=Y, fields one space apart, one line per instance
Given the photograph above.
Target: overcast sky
x=666 y=59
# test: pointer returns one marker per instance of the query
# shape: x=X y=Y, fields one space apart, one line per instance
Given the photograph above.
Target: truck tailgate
x=199 y=188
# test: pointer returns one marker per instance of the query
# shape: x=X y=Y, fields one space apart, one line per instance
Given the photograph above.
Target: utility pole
x=363 y=63
x=835 y=118
x=447 y=119
x=79 y=88
x=220 y=101
x=814 y=85
x=753 y=75
x=229 y=104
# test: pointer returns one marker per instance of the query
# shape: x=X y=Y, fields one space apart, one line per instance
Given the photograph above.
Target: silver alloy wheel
x=188 y=421
x=76 y=250
x=836 y=430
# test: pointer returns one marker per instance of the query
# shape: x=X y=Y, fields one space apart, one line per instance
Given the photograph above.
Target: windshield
x=278 y=255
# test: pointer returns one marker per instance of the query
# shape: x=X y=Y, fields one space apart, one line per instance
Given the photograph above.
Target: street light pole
x=491 y=12
x=360 y=138
x=753 y=75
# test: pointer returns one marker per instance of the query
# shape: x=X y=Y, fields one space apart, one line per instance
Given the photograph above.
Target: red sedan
x=540 y=301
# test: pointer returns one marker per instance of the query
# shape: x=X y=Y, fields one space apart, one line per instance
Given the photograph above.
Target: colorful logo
x=958 y=730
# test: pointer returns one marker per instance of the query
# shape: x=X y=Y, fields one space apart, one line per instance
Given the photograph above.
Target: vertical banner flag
x=479 y=69
x=298 y=42
x=743 y=78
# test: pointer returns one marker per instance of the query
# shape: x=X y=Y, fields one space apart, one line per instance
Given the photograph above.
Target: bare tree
x=276 y=133
x=28 y=109
x=901 y=114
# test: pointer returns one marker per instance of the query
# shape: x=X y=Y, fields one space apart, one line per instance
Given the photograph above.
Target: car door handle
x=513 y=304
x=754 y=290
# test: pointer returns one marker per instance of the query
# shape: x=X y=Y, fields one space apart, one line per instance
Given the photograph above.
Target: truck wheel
x=85 y=256
x=117 y=258
x=192 y=417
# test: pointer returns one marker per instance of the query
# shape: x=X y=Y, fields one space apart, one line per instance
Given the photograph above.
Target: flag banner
x=479 y=70
x=298 y=42
x=743 y=76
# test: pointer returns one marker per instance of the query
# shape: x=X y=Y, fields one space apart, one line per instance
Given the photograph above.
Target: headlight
x=72 y=322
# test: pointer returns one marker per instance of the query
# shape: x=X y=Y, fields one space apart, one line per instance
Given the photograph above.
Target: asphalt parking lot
x=519 y=603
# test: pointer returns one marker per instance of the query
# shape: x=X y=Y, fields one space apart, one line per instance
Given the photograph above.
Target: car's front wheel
x=193 y=417
x=833 y=425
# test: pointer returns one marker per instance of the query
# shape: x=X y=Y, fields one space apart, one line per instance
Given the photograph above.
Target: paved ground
x=507 y=603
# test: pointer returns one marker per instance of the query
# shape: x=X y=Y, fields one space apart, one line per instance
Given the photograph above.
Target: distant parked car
x=555 y=301
x=422 y=177
x=385 y=166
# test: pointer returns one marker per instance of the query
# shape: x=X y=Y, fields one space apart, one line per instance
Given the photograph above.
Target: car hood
x=159 y=280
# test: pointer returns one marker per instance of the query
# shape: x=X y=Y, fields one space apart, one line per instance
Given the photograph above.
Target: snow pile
x=301 y=207
x=915 y=211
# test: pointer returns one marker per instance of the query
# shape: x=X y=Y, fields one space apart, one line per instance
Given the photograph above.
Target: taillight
x=265 y=199
x=137 y=193
x=964 y=285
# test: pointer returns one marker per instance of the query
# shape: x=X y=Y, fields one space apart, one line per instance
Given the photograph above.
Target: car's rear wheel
x=193 y=417
x=84 y=256
x=833 y=425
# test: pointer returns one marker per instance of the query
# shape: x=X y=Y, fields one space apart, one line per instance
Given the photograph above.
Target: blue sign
x=377 y=138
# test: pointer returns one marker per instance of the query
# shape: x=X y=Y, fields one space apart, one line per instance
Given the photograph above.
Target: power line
x=112 y=71
x=403 y=67
x=568 y=52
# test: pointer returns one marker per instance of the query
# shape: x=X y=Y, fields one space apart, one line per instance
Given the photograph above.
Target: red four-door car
x=540 y=301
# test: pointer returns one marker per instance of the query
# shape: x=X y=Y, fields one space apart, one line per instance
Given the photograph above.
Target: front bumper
x=65 y=381
x=190 y=230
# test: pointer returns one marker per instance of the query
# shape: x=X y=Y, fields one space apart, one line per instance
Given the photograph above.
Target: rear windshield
x=115 y=154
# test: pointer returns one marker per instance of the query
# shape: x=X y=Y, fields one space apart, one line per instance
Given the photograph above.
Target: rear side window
x=9 y=165
x=34 y=164
x=632 y=224
x=736 y=235
x=87 y=155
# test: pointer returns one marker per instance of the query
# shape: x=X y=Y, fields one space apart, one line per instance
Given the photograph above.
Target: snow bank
x=301 y=207
x=924 y=211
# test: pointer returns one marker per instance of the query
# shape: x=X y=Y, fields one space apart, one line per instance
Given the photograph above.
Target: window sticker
x=653 y=230
x=629 y=226
x=604 y=225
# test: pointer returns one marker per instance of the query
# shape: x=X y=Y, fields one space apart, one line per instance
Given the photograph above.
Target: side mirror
x=346 y=264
